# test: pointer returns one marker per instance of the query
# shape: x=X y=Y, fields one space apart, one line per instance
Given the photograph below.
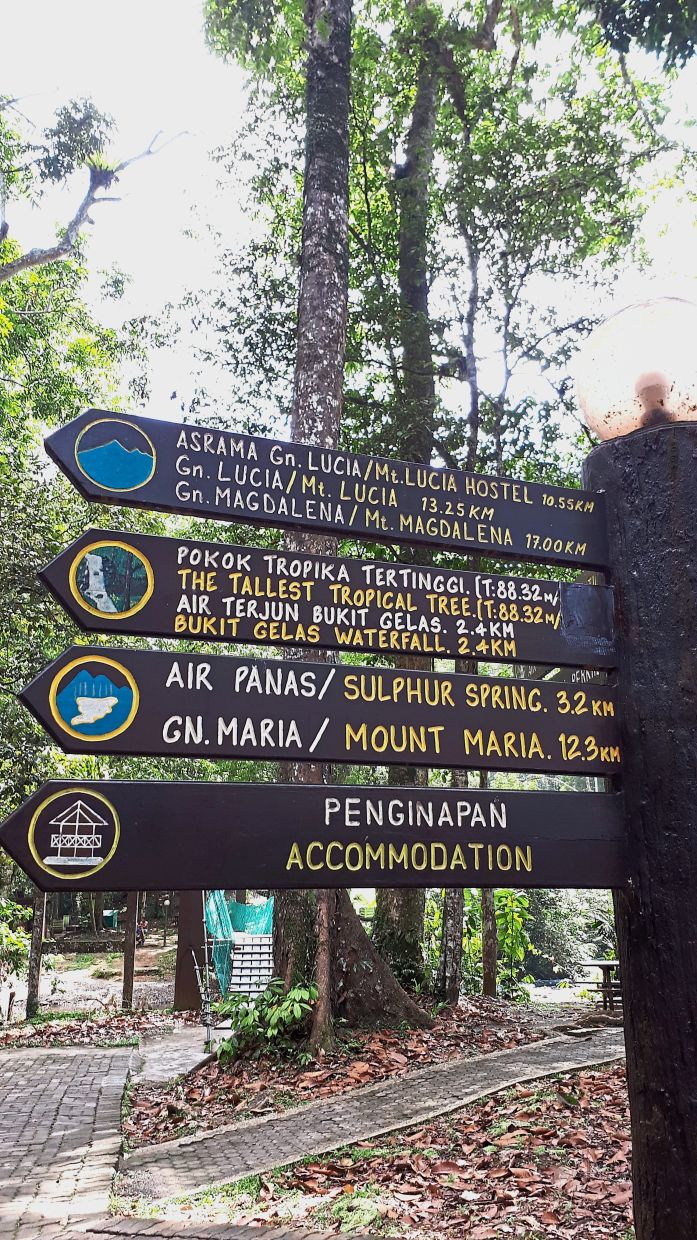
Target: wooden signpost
x=149 y=702
x=203 y=591
x=115 y=458
x=118 y=836
x=163 y=836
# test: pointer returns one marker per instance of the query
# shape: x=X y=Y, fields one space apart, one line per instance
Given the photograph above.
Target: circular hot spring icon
x=111 y=579
x=74 y=833
x=94 y=698
x=115 y=454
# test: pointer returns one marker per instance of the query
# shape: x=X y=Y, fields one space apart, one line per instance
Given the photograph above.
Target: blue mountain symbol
x=113 y=466
x=93 y=688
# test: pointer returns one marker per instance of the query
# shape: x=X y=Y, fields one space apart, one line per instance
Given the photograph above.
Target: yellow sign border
x=47 y=869
x=111 y=615
x=93 y=658
x=119 y=422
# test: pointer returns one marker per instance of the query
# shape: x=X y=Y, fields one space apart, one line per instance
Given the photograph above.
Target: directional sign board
x=95 y=700
x=114 y=836
x=169 y=587
x=115 y=458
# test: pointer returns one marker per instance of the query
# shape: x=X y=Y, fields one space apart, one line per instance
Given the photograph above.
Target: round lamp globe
x=639 y=368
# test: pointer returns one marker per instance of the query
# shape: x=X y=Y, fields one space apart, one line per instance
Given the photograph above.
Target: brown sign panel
x=170 y=587
x=94 y=700
x=115 y=836
x=115 y=458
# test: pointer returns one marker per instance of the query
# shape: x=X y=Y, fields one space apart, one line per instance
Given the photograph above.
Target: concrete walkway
x=60 y=1114
x=163 y=1056
x=251 y=1147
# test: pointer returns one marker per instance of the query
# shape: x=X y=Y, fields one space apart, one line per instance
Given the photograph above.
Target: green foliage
x=433 y=929
x=14 y=938
x=45 y=1018
x=31 y=160
x=667 y=27
x=536 y=198
x=266 y=34
x=78 y=136
x=274 y=1020
x=56 y=359
x=512 y=918
x=567 y=927
x=513 y=922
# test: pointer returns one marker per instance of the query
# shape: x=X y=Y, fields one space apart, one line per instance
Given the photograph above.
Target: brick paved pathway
x=135 y=1228
x=59 y=1137
x=254 y=1146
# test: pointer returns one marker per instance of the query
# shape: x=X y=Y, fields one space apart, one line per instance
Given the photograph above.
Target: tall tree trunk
x=35 y=951
x=490 y=944
x=399 y=912
x=129 y=950
x=323 y=297
x=398 y=927
x=362 y=986
x=322 y=1025
x=319 y=371
x=449 y=981
x=413 y=188
x=366 y=993
x=96 y=900
x=450 y=960
x=294 y=939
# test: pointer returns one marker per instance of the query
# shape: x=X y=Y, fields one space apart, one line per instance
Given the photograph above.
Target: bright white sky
x=145 y=62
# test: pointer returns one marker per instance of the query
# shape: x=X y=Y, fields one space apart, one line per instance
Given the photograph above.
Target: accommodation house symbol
x=77 y=841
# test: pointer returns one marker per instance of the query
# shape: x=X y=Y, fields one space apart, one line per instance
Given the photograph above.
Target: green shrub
x=512 y=918
x=14 y=938
x=275 y=1020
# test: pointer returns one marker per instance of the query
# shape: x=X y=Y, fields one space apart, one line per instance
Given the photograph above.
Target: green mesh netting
x=224 y=918
x=251 y=918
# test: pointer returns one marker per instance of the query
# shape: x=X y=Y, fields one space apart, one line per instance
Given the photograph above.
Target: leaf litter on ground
x=214 y=1096
x=525 y=1164
x=95 y=1029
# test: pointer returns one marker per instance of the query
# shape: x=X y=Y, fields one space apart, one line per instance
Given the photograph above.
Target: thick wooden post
x=650 y=481
x=187 y=997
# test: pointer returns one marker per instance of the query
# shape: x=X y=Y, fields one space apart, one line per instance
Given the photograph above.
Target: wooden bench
x=609 y=987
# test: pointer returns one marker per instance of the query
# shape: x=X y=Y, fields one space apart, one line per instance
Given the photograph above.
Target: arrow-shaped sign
x=95 y=700
x=114 y=836
x=170 y=587
x=115 y=458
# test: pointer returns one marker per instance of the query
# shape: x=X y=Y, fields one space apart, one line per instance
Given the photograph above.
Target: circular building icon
x=115 y=454
x=93 y=698
x=111 y=579
x=73 y=833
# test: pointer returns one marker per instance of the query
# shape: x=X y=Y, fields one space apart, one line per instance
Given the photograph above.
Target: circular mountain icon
x=115 y=455
x=73 y=833
x=94 y=698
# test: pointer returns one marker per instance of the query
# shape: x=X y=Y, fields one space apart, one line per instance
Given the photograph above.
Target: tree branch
x=641 y=109
x=484 y=37
x=100 y=179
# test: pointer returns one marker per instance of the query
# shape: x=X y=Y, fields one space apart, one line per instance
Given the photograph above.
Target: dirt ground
x=93 y=981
